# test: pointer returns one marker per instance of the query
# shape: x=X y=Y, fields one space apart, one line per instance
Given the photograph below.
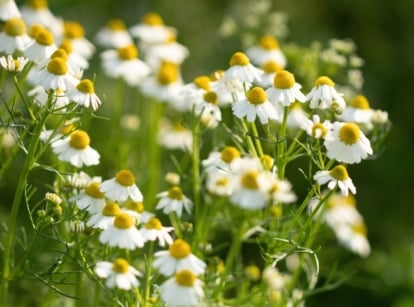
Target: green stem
x=198 y=209
x=281 y=147
x=256 y=139
x=8 y=246
x=249 y=140
x=147 y=290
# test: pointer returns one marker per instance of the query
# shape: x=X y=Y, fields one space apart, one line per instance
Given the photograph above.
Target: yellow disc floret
x=202 y=82
x=284 y=80
x=111 y=209
x=73 y=30
x=240 y=59
x=271 y=67
x=319 y=130
x=125 y=178
x=256 y=95
x=152 y=19
x=167 y=74
x=324 y=80
x=249 y=180
x=93 y=190
x=85 y=86
x=57 y=66
x=269 y=42
x=185 y=278
x=229 y=153
x=175 y=193
x=153 y=223
x=120 y=266
x=116 y=24
x=360 y=102
x=211 y=97
x=66 y=128
x=129 y=52
x=137 y=206
x=123 y=221
x=349 y=133
x=179 y=249
x=66 y=45
x=60 y=53
x=44 y=38
x=15 y=27
x=339 y=172
x=34 y=29
x=79 y=139
x=37 y=4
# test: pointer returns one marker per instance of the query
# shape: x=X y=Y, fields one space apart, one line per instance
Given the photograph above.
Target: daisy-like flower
x=104 y=217
x=177 y=258
x=221 y=160
x=174 y=200
x=358 y=111
x=242 y=69
x=91 y=198
x=269 y=68
x=151 y=29
x=11 y=64
x=42 y=47
x=124 y=63
x=285 y=90
x=208 y=110
x=121 y=187
x=75 y=32
x=324 y=95
x=192 y=93
x=56 y=75
x=114 y=34
x=354 y=237
x=255 y=104
x=267 y=50
x=136 y=208
x=75 y=149
x=281 y=192
x=154 y=231
x=78 y=180
x=220 y=183
x=174 y=136
x=315 y=128
x=76 y=61
x=122 y=233
x=228 y=90
x=296 y=116
x=336 y=177
x=84 y=95
x=183 y=289
x=9 y=10
x=14 y=36
x=347 y=143
x=118 y=274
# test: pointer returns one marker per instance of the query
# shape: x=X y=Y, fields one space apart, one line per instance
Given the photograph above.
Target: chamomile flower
x=91 y=198
x=153 y=230
x=241 y=69
x=192 y=93
x=267 y=50
x=9 y=10
x=174 y=200
x=358 y=111
x=285 y=89
x=121 y=187
x=178 y=257
x=79 y=180
x=42 y=47
x=208 y=110
x=104 y=217
x=220 y=183
x=336 y=177
x=354 y=238
x=228 y=90
x=76 y=61
x=221 y=160
x=255 y=105
x=11 y=64
x=75 y=149
x=118 y=274
x=84 y=94
x=114 y=34
x=347 y=143
x=269 y=68
x=122 y=233
x=151 y=29
x=56 y=76
x=41 y=97
x=323 y=95
x=281 y=191
x=173 y=135
x=183 y=289
x=75 y=32
x=14 y=36
x=315 y=128
x=136 y=208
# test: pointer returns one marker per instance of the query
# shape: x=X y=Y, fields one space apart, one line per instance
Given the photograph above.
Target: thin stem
x=147 y=290
x=256 y=139
x=281 y=147
x=249 y=140
x=198 y=210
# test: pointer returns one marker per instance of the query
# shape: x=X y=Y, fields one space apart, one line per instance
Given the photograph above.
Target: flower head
x=285 y=90
x=14 y=36
x=153 y=230
x=118 y=274
x=114 y=34
x=338 y=176
x=174 y=200
x=121 y=187
x=241 y=69
x=267 y=50
x=11 y=64
x=84 y=94
x=323 y=95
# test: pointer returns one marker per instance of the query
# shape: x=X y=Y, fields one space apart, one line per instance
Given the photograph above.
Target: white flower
x=76 y=150
x=174 y=136
x=192 y=93
x=285 y=90
x=208 y=110
x=174 y=200
x=118 y=274
x=121 y=187
x=154 y=231
x=151 y=30
x=315 y=128
x=113 y=35
x=242 y=69
x=183 y=289
x=14 y=36
x=91 y=198
x=169 y=51
x=56 y=76
x=221 y=161
x=104 y=217
x=74 y=31
x=42 y=47
x=84 y=95
x=336 y=177
x=255 y=104
x=220 y=183
x=177 y=258
x=281 y=191
x=122 y=233
x=347 y=143
x=354 y=238
x=358 y=111
x=267 y=50
x=324 y=96
x=9 y=10
x=11 y=64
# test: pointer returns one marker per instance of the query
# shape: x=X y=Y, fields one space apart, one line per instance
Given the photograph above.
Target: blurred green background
x=384 y=34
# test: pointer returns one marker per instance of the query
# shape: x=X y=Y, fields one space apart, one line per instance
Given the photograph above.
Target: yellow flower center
x=211 y=97
x=60 y=53
x=66 y=129
x=135 y=206
x=240 y=59
x=153 y=223
x=185 y=278
x=34 y=29
x=319 y=130
x=256 y=95
x=66 y=45
x=167 y=74
x=179 y=249
x=339 y=172
x=93 y=190
x=202 y=82
x=230 y=153
x=324 y=80
x=217 y=75
x=252 y=272
x=116 y=24
x=152 y=19
x=73 y=30
x=360 y=229
x=276 y=211
x=284 y=80
x=111 y=209
x=269 y=42
x=123 y=221
x=128 y=53
x=37 y=4
x=120 y=266
x=271 y=67
x=57 y=66
x=178 y=126
x=249 y=180
x=360 y=102
x=15 y=27
x=349 y=133
x=125 y=178
x=175 y=193
x=86 y=86
x=79 y=139
x=222 y=182
x=44 y=38
x=267 y=161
